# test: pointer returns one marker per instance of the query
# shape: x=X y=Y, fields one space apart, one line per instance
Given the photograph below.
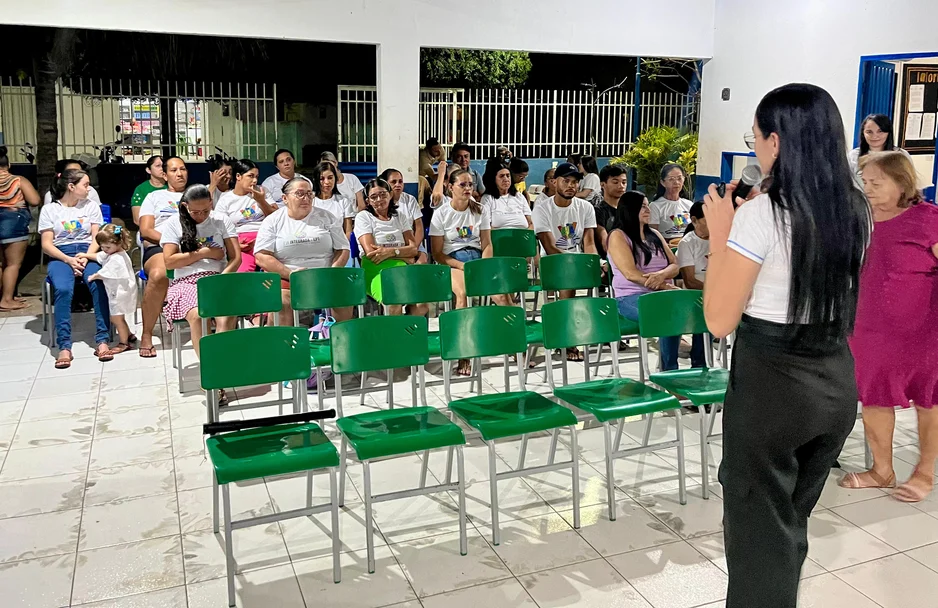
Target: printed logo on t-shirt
x=170 y=208
x=300 y=236
x=72 y=227
x=207 y=241
x=250 y=214
x=568 y=236
x=464 y=233
x=680 y=220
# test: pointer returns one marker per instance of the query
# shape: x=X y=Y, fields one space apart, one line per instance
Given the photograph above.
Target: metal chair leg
x=493 y=493
x=524 y=450
x=424 y=468
x=309 y=489
x=214 y=504
x=336 y=542
x=229 y=547
x=620 y=429
x=369 y=522
x=343 y=466
x=704 y=469
x=555 y=435
x=461 y=473
x=681 y=472
x=610 y=475
x=575 y=472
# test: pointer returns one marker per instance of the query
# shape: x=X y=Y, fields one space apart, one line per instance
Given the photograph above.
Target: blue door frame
x=861 y=84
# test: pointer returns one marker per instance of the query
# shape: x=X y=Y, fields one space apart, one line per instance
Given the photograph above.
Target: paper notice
x=917 y=98
x=913 y=127
x=928 y=126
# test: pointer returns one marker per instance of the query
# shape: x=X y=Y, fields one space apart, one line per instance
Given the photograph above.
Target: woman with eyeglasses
x=875 y=136
x=301 y=235
x=459 y=232
x=386 y=239
x=348 y=185
x=670 y=213
x=409 y=208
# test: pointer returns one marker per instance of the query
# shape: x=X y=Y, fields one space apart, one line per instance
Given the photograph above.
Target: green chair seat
x=701 y=385
x=615 y=398
x=433 y=343
x=269 y=451
x=399 y=431
x=320 y=352
x=511 y=414
x=533 y=332
x=628 y=327
x=534 y=286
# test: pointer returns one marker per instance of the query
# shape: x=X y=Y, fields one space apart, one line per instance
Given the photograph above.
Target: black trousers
x=791 y=402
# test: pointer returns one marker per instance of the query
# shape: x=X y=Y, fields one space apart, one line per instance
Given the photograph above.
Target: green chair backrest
x=482 y=331
x=238 y=294
x=378 y=343
x=570 y=271
x=327 y=288
x=276 y=354
x=416 y=284
x=580 y=321
x=514 y=242
x=496 y=276
x=671 y=313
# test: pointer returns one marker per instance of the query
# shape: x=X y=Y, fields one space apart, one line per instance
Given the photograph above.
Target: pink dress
x=895 y=342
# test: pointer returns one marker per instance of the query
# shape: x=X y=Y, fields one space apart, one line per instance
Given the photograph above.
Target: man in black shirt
x=614 y=180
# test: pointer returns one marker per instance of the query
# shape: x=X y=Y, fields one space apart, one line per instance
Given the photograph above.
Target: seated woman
x=670 y=213
x=386 y=239
x=246 y=206
x=506 y=206
x=408 y=206
x=67 y=227
x=197 y=242
x=641 y=263
x=349 y=186
x=328 y=198
x=299 y=236
x=460 y=232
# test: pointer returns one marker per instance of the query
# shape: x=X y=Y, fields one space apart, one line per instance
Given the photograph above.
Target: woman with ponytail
x=246 y=206
x=197 y=242
x=67 y=228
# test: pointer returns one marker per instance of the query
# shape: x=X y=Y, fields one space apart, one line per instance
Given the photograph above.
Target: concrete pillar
x=398 y=96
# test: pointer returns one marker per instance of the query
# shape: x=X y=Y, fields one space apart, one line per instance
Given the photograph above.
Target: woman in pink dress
x=895 y=341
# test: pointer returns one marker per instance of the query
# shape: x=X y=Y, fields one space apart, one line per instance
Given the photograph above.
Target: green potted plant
x=656 y=147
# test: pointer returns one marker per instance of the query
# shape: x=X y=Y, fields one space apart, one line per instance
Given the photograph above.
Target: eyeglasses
x=303 y=195
x=750 y=139
x=378 y=196
x=464 y=185
x=674 y=179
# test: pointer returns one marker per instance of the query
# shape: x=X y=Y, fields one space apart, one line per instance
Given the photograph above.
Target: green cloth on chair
x=373 y=275
x=269 y=451
x=615 y=398
x=511 y=414
x=399 y=431
x=701 y=385
x=320 y=352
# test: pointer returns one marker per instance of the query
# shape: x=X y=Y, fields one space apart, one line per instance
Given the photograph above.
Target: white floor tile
x=126 y=451
x=39 y=535
x=254 y=548
x=417 y=517
x=540 y=543
x=132 y=422
x=835 y=543
x=46 y=462
x=11 y=411
x=672 y=576
x=15 y=391
x=828 y=591
x=24 y=373
x=634 y=528
x=713 y=547
x=80 y=366
x=37 y=583
x=897 y=581
x=7 y=431
x=193 y=472
x=128 y=521
x=276 y=586
x=113 y=572
x=927 y=555
x=594 y=584
x=41 y=495
x=311 y=537
x=554 y=488
x=44 y=433
x=119 y=400
x=66 y=385
x=504 y=594
x=247 y=500
x=135 y=481
x=137 y=378
x=896 y=523
x=166 y=598
x=835 y=496
x=516 y=500
x=358 y=589
x=698 y=517
x=46 y=408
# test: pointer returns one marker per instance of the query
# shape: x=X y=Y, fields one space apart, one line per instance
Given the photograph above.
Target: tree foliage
x=503 y=69
x=656 y=147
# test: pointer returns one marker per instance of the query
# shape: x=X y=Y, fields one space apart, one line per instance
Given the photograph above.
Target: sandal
x=64 y=361
x=853 y=481
x=121 y=347
x=574 y=354
x=222 y=397
x=464 y=368
x=103 y=353
x=907 y=492
x=147 y=352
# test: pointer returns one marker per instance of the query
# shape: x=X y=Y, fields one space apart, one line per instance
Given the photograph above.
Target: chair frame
x=48 y=313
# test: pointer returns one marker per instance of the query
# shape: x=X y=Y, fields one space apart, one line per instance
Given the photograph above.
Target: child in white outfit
x=117 y=273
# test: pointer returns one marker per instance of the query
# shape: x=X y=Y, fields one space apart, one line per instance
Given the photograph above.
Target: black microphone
x=750 y=178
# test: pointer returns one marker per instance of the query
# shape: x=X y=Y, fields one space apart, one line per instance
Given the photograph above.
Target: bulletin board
x=919 y=124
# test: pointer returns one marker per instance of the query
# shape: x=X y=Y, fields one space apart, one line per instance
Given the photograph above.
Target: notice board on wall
x=918 y=124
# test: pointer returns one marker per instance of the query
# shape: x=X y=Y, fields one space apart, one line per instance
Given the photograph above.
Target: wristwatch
x=397 y=252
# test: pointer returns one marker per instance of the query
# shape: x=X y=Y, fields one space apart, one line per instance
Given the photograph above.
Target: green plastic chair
x=393 y=432
x=258 y=293
x=571 y=271
x=243 y=450
x=493 y=331
x=673 y=313
x=584 y=321
x=519 y=243
x=319 y=289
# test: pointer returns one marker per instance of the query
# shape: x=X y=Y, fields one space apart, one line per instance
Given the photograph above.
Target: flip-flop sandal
x=107 y=355
x=906 y=492
x=852 y=481
x=463 y=371
x=121 y=347
x=147 y=352
x=63 y=362
x=574 y=354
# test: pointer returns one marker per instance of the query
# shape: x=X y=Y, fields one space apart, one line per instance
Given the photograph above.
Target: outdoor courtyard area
x=105 y=500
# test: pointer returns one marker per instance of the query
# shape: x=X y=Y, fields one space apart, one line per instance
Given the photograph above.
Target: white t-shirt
x=163 y=205
x=507 y=211
x=756 y=235
x=243 y=211
x=387 y=233
x=567 y=224
x=338 y=206
x=591 y=182
x=672 y=217
x=350 y=186
x=210 y=233
x=216 y=196
x=307 y=243
x=92 y=195
x=693 y=251
x=273 y=188
x=70 y=225
x=459 y=229
x=408 y=207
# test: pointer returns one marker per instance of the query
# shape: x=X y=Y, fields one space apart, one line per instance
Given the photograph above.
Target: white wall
x=762 y=44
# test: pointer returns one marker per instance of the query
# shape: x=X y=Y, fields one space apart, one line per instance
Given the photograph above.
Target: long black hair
x=240 y=167
x=62 y=181
x=627 y=220
x=589 y=164
x=318 y=170
x=189 y=241
x=4 y=159
x=885 y=125
x=380 y=183
x=492 y=167
x=812 y=188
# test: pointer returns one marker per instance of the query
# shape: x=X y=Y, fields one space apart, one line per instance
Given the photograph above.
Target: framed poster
x=918 y=123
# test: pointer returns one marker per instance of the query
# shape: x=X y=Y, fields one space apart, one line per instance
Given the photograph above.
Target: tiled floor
x=105 y=501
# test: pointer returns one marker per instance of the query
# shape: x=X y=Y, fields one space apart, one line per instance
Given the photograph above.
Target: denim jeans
x=63 y=288
x=466 y=254
x=667 y=346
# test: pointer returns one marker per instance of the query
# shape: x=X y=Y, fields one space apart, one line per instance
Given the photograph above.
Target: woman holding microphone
x=783 y=273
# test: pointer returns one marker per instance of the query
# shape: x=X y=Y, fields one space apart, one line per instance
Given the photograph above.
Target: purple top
x=624 y=287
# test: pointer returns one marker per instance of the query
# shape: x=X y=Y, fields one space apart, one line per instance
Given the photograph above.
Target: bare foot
x=12 y=305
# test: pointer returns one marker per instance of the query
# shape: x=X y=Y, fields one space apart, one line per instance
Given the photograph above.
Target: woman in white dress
x=875 y=136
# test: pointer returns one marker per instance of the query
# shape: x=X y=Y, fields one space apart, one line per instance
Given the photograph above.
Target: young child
x=117 y=272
